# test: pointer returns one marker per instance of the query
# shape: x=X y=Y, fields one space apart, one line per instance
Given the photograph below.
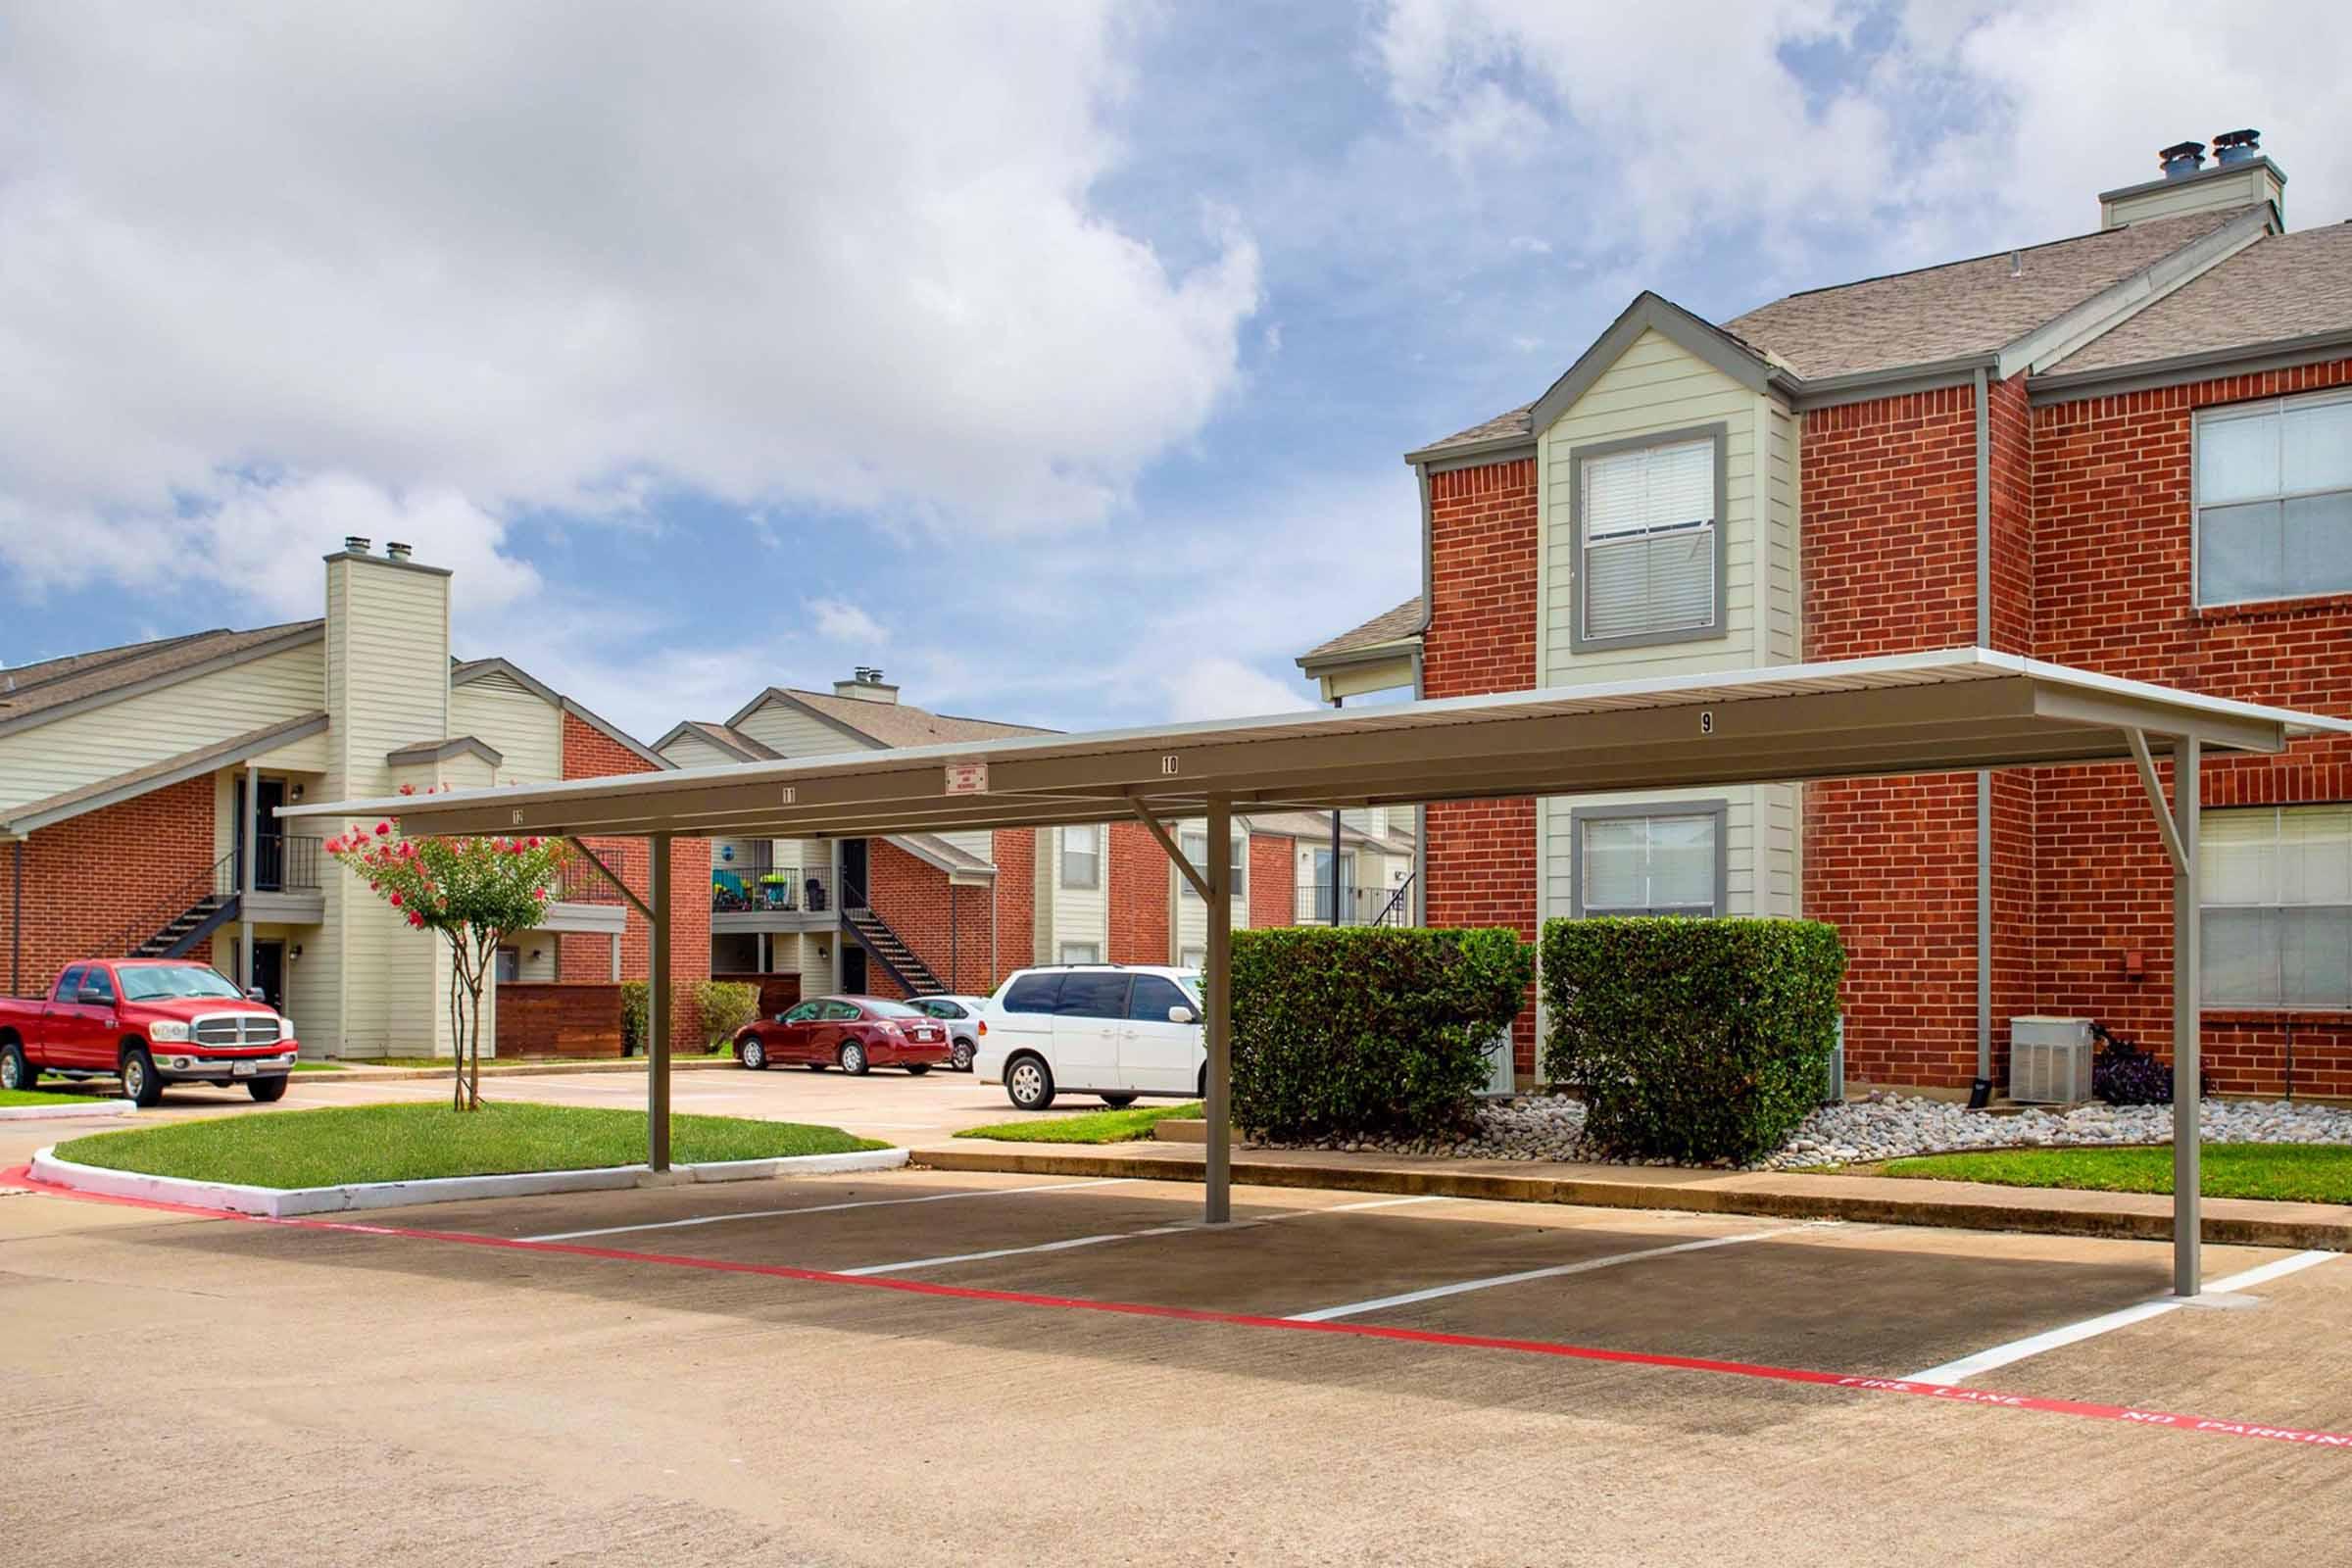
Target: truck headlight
x=164 y=1030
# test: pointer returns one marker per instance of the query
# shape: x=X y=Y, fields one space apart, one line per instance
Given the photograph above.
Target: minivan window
x=1152 y=999
x=1094 y=994
x=1033 y=992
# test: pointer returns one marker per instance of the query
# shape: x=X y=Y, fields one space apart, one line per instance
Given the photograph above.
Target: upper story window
x=1081 y=857
x=1196 y=849
x=1649 y=859
x=2276 y=893
x=1647 y=520
x=2274 y=482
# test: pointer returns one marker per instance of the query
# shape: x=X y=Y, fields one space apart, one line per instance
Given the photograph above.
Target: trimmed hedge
x=1369 y=1029
x=1693 y=1041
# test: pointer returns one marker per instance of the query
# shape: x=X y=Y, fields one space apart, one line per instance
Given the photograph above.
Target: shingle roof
x=31 y=689
x=1960 y=307
x=1503 y=426
x=901 y=723
x=1389 y=625
x=736 y=741
x=2281 y=286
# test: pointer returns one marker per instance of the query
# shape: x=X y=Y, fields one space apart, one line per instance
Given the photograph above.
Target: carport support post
x=2187 y=1026
x=1219 y=1106
x=659 y=887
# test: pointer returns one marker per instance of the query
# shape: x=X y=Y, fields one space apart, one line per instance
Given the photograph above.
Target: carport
x=1930 y=713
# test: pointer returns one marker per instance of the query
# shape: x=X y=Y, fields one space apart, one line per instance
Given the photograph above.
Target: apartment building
x=921 y=912
x=138 y=787
x=2130 y=451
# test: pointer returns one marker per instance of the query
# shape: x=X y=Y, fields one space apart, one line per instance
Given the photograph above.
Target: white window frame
x=2274 y=902
x=1718 y=623
x=1194 y=960
x=1650 y=811
x=2274 y=409
x=1079 y=953
x=1091 y=856
x=1186 y=838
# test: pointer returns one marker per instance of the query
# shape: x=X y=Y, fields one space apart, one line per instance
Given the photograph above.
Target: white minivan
x=1116 y=1030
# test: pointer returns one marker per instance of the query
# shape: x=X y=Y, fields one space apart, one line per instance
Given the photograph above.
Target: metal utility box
x=2049 y=1061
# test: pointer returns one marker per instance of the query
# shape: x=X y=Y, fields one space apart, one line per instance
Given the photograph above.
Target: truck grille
x=236 y=1029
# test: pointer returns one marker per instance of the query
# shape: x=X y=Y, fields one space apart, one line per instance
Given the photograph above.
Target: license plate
x=243 y=1069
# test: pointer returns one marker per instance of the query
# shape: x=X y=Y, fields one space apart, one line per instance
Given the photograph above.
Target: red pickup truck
x=151 y=1021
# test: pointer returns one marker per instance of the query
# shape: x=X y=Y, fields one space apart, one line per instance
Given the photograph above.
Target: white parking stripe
x=2091 y=1328
x=1123 y=1236
x=827 y=1208
x=1556 y=1271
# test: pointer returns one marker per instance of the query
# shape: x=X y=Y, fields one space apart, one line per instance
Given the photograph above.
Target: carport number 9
x=1706 y=722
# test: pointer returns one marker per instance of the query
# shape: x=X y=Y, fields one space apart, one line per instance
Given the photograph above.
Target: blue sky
x=1055 y=357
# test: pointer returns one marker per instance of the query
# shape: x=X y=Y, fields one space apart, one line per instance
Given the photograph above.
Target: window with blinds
x=1649 y=864
x=1647 y=541
x=1081 y=861
x=2276 y=899
x=2274 y=499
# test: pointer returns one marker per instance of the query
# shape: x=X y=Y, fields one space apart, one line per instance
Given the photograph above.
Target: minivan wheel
x=16 y=1072
x=1029 y=1084
x=140 y=1085
x=1118 y=1101
x=853 y=1058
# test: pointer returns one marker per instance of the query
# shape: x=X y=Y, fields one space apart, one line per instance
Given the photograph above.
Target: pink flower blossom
x=383 y=830
x=395 y=900
x=415 y=919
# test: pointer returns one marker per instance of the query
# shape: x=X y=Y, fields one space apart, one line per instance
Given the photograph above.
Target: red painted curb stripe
x=20 y=1176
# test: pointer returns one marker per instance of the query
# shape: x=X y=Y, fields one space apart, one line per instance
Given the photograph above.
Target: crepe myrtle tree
x=475 y=892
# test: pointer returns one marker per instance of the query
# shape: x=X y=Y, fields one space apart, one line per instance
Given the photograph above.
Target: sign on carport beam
x=967 y=778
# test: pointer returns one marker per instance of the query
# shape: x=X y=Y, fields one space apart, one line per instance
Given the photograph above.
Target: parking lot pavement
x=894 y=1106
x=926 y=1367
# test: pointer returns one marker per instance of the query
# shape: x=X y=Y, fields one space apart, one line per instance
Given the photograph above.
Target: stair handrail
x=929 y=985
x=1398 y=904
x=208 y=883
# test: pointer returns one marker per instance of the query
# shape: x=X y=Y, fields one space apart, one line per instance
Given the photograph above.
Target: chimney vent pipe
x=2182 y=159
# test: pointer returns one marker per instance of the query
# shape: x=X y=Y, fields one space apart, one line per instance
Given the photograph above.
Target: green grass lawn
x=318 y=1067
x=408 y=1143
x=46 y=1097
x=1094 y=1127
x=2311 y=1173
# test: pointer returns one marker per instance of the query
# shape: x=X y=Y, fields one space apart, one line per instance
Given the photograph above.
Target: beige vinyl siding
x=1653 y=388
x=1077 y=915
x=524 y=728
x=2252 y=183
x=791 y=732
x=1759 y=838
x=1190 y=925
x=1782 y=632
x=100 y=743
x=306 y=756
x=387 y=678
x=688 y=752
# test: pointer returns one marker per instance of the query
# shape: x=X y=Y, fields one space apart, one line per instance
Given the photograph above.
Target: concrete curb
x=2238 y=1222
x=68 y=1108
x=279 y=1202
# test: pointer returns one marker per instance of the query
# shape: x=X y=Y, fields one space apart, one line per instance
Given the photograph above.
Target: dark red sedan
x=851 y=1033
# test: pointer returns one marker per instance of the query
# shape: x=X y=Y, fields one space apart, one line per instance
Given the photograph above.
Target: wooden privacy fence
x=537 y=1019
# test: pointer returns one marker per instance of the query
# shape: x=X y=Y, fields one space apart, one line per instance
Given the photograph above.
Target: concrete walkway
x=1877 y=1199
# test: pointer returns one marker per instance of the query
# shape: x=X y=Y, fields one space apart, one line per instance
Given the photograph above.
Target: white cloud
x=472 y=260
x=1225 y=688
x=839 y=620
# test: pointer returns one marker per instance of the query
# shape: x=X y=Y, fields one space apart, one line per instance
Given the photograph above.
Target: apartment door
x=852 y=874
x=270 y=972
x=852 y=969
x=270 y=835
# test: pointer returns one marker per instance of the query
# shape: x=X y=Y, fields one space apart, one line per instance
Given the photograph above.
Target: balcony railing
x=1358 y=906
x=581 y=883
x=286 y=864
x=771 y=890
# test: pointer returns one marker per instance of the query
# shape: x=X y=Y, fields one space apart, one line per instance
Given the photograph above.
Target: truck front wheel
x=267 y=1089
x=140 y=1084
x=15 y=1071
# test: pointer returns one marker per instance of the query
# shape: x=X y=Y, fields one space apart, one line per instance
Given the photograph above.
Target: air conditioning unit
x=1833 y=1090
x=2049 y=1061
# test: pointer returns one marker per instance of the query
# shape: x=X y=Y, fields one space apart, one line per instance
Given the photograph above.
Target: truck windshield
x=161 y=982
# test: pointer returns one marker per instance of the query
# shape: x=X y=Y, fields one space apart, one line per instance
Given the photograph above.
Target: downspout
x=1429 y=606
x=1984 y=1086
x=16 y=928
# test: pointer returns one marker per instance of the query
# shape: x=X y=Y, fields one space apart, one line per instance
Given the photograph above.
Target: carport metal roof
x=1954 y=709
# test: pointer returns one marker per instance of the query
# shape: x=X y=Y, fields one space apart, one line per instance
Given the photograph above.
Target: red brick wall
x=1016 y=856
x=1138 y=896
x=588 y=753
x=1890 y=524
x=89 y=878
x=2009 y=423
x=1484 y=532
x=1273 y=882
x=2115 y=591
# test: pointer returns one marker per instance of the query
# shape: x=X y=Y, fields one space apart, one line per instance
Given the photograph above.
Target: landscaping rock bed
x=1551 y=1127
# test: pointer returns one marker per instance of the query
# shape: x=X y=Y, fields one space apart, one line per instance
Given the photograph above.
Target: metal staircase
x=184 y=917
x=888 y=949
